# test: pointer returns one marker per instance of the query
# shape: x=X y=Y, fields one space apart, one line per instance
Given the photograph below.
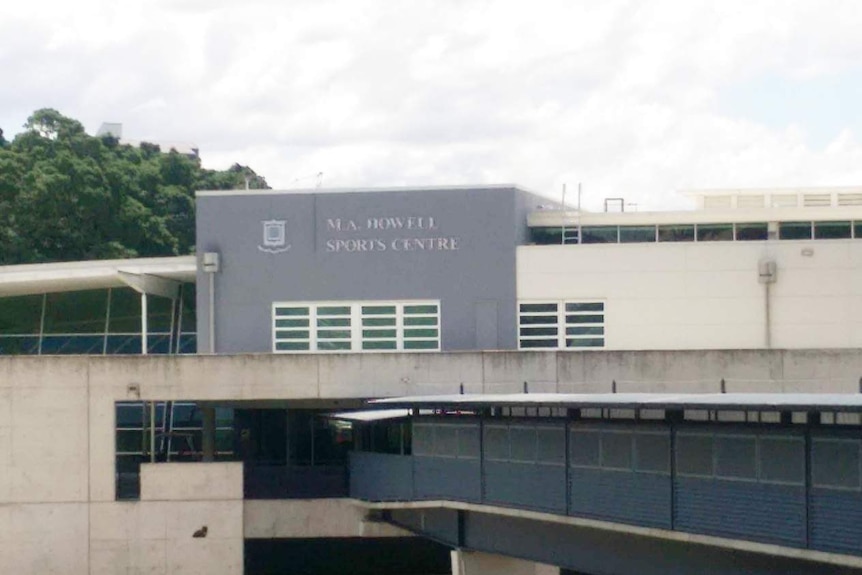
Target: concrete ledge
x=302 y=518
x=678 y=536
x=191 y=481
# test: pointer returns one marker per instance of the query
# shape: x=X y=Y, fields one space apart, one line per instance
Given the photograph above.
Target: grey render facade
x=455 y=245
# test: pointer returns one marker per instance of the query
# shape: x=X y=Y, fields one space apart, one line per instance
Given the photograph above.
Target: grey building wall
x=338 y=251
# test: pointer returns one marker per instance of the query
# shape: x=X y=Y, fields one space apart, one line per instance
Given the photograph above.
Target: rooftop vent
x=817 y=200
x=850 y=199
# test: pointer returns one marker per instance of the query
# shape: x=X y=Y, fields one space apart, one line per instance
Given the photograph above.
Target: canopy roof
x=723 y=401
x=95 y=274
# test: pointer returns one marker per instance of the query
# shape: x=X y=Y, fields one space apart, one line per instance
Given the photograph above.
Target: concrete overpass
x=59 y=511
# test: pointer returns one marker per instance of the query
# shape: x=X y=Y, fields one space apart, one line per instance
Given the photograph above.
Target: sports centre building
x=195 y=414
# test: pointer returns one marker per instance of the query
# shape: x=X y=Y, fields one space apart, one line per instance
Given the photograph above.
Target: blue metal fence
x=773 y=484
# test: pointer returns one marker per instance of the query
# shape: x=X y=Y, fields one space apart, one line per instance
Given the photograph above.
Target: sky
x=628 y=98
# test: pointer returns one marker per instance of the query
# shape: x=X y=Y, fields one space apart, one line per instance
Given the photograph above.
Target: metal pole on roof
x=42 y=321
x=180 y=322
x=579 y=212
x=563 y=227
x=143 y=323
x=173 y=324
x=107 y=323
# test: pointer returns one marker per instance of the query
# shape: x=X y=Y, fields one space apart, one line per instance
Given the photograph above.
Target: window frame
x=561 y=322
x=360 y=320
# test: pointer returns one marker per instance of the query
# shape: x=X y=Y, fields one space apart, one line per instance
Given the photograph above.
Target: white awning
x=147 y=275
x=370 y=416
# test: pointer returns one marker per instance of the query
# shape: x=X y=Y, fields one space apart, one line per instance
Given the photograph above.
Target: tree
x=65 y=195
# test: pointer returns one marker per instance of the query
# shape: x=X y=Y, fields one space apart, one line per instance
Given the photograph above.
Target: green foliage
x=65 y=195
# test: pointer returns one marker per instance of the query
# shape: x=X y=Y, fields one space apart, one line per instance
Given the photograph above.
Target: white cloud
x=624 y=96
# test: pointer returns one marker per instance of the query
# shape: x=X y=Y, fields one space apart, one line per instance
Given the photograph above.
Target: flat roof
x=30 y=279
x=301 y=191
x=370 y=416
x=723 y=401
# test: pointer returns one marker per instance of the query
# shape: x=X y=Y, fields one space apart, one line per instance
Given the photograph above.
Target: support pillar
x=208 y=421
x=476 y=563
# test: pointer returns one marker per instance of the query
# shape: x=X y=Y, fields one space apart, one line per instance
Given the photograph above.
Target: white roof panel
x=94 y=274
x=734 y=401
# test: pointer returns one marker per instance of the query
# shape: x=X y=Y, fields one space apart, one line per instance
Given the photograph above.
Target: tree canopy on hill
x=66 y=196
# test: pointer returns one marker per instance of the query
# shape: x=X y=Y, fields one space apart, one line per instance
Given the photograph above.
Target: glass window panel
x=187 y=415
x=333 y=334
x=832 y=230
x=835 y=463
x=378 y=333
x=538 y=331
x=590 y=306
x=782 y=460
x=378 y=310
x=291 y=334
x=589 y=330
x=126 y=311
x=224 y=440
x=130 y=415
x=378 y=344
x=523 y=443
x=551 y=446
x=539 y=343
x=420 y=309
x=617 y=450
x=637 y=234
x=496 y=442
x=291 y=346
x=130 y=441
x=676 y=233
x=652 y=452
x=714 y=232
x=538 y=308
x=599 y=234
x=224 y=416
x=546 y=236
x=794 y=230
x=129 y=463
x=735 y=457
x=333 y=310
x=421 y=344
x=21 y=315
x=694 y=454
x=752 y=232
x=291 y=322
x=585 y=342
x=468 y=441
x=420 y=333
x=378 y=321
x=334 y=345
x=584 y=448
x=857 y=230
x=78 y=312
x=418 y=321
x=333 y=322
x=586 y=318
x=291 y=311
x=538 y=320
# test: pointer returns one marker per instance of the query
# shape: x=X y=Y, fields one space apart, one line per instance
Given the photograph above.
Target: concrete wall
x=335 y=250
x=155 y=534
x=58 y=512
x=706 y=295
x=283 y=519
x=477 y=563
